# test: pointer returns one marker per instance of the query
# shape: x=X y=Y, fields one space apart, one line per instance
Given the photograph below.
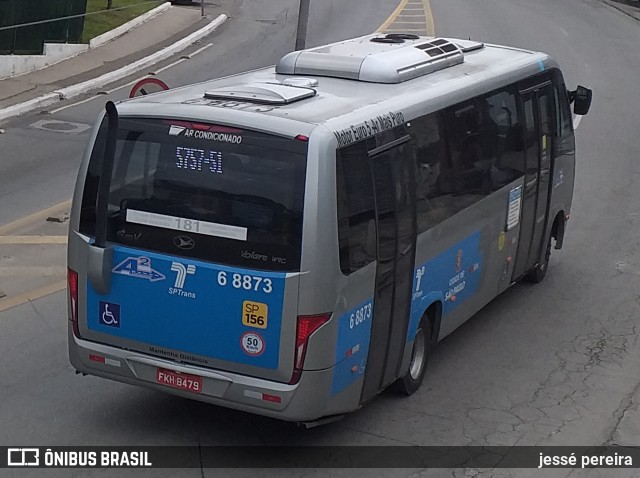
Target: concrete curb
x=628 y=10
x=86 y=86
x=125 y=27
x=25 y=107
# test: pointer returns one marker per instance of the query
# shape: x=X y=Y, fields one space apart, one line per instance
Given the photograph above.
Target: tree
x=109 y=4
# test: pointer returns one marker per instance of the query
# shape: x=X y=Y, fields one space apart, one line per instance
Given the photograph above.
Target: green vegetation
x=99 y=23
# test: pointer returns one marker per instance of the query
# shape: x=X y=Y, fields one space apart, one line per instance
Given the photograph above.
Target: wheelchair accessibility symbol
x=109 y=314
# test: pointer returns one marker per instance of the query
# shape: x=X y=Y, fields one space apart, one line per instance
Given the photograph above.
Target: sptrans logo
x=182 y=271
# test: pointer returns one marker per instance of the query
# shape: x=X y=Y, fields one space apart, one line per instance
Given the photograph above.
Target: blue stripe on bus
x=451 y=277
x=190 y=306
x=352 y=348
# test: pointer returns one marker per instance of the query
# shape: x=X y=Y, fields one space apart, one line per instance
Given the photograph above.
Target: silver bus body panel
x=300 y=402
x=320 y=287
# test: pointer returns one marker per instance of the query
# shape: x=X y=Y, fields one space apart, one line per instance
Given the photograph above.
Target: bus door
x=537 y=108
x=393 y=168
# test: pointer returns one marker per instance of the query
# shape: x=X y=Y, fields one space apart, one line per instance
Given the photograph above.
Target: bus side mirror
x=581 y=99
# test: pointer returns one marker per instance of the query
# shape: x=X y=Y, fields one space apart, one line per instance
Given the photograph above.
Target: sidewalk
x=162 y=31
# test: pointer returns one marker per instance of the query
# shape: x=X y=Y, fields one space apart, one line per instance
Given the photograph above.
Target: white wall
x=12 y=65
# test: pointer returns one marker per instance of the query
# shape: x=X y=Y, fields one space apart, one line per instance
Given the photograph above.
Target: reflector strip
x=271 y=398
x=113 y=363
x=96 y=358
x=252 y=394
x=265 y=397
x=104 y=360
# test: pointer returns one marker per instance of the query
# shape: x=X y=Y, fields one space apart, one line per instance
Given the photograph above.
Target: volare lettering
x=254 y=255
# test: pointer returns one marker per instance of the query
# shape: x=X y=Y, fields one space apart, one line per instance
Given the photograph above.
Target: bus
x=293 y=240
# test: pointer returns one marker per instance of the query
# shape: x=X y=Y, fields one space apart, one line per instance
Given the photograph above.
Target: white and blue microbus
x=293 y=240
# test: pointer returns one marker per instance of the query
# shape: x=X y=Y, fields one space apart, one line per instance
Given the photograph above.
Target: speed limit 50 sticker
x=252 y=343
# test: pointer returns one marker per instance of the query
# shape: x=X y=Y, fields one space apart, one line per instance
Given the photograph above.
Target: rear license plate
x=181 y=381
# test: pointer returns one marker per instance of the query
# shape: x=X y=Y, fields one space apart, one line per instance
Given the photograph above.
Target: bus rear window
x=213 y=193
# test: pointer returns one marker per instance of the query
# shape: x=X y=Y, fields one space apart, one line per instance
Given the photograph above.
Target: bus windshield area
x=208 y=192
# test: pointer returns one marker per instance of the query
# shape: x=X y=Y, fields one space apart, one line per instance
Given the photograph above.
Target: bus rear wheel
x=412 y=380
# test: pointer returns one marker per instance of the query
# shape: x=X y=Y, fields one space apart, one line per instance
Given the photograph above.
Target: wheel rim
x=418 y=356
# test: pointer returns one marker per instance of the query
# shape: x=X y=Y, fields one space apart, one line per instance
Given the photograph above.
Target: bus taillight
x=307 y=325
x=72 y=280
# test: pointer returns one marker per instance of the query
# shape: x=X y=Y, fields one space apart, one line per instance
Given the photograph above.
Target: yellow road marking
x=417 y=31
x=33 y=239
x=23 y=271
x=431 y=26
x=35 y=217
x=8 y=303
x=396 y=13
x=405 y=10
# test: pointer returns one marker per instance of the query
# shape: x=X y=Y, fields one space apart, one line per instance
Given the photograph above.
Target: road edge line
x=36 y=216
x=10 y=303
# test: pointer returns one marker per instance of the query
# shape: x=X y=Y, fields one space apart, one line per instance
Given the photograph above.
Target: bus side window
x=469 y=154
x=503 y=137
x=433 y=172
x=356 y=208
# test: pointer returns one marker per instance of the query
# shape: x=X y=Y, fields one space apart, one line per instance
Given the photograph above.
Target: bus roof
x=295 y=102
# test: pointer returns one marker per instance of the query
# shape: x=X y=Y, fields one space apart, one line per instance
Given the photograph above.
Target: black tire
x=538 y=274
x=412 y=380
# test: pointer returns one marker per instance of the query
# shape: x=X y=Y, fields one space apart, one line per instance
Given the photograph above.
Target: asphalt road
x=553 y=364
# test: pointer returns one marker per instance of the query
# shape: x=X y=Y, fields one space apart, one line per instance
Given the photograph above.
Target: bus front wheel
x=412 y=380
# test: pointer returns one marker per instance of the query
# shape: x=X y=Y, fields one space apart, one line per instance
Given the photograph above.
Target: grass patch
x=99 y=23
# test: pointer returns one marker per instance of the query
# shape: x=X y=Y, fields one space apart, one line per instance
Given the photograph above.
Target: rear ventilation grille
x=392 y=58
x=437 y=48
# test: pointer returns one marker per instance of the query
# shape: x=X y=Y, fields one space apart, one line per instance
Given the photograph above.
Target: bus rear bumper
x=303 y=402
